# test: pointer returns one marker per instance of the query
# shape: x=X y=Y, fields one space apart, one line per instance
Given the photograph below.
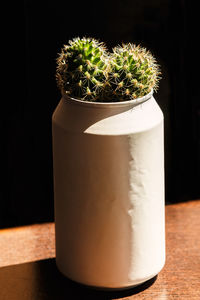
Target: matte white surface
x=109 y=192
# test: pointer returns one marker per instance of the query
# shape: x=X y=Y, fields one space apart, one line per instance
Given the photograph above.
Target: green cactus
x=86 y=71
x=133 y=73
x=82 y=68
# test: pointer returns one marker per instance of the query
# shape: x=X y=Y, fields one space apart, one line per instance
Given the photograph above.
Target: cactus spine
x=81 y=69
x=133 y=72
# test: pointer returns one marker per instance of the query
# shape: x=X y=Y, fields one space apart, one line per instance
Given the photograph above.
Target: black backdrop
x=168 y=28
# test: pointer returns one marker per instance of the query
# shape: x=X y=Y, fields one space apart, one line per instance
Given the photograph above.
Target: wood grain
x=39 y=279
x=26 y=244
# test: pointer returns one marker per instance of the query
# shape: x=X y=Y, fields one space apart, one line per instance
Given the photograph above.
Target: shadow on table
x=41 y=280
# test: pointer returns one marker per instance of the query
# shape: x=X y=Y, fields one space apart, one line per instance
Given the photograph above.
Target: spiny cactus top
x=133 y=72
x=81 y=69
x=86 y=71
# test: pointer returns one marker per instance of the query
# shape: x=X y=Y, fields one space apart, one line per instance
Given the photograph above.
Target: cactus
x=82 y=68
x=133 y=73
x=86 y=71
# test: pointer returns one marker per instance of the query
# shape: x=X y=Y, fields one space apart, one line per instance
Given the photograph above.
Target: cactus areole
x=86 y=71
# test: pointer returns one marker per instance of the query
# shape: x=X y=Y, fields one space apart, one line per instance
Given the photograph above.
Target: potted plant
x=108 y=160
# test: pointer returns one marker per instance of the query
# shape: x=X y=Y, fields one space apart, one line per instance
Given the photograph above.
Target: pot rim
x=108 y=104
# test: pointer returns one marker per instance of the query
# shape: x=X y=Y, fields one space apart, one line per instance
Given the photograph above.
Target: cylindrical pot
x=108 y=161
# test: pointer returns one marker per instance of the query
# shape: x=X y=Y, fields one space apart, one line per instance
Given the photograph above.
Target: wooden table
x=28 y=270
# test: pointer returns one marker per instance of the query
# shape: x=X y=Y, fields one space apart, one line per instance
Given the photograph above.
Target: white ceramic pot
x=109 y=191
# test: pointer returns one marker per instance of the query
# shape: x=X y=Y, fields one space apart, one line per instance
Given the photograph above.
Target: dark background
x=169 y=28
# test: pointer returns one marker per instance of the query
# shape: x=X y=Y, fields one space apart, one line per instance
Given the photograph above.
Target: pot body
x=108 y=164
